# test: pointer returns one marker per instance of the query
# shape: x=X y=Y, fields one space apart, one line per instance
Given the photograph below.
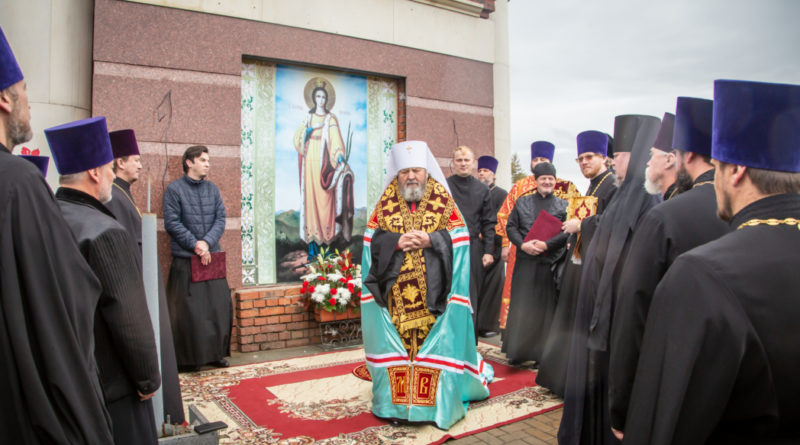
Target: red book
x=214 y=270
x=544 y=227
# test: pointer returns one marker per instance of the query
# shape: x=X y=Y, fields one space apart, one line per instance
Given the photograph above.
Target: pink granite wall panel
x=436 y=128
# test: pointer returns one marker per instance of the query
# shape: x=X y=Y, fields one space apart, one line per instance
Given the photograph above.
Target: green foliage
x=517 y=172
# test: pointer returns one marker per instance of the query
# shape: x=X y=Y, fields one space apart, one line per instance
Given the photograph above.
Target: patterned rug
x=318 y=399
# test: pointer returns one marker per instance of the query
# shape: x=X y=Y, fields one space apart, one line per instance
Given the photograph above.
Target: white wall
x=52 y=41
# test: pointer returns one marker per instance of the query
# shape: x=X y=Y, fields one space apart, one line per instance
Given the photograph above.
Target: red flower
x=350 y=287
x=321 y=279
x=358 y=294
x=349 y=277
x=311 y=289
x=333 y=291
x=332 y=301
x=305 y=287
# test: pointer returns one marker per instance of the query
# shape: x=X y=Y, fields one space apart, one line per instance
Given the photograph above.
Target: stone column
x=52 y=40
x=502 y=96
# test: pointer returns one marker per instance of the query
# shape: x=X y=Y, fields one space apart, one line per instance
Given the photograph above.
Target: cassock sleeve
x=513 y=230
x=693 y=346
x=438 y=271
x=488 y=221
x=646 y=265
x=123 y=305
x=385 y=265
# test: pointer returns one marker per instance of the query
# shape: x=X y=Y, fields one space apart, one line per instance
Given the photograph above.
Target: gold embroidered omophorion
x=407 y=304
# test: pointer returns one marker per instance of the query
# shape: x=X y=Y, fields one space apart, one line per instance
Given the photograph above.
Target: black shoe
x=189 y=368
x=490 y=334
x=222 y=363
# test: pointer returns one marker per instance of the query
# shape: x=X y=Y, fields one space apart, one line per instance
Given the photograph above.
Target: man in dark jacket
x=472 y=199
x=491 y=290
x=127 y=167
x=200 y=312
x=125 y=343
x=48 y=294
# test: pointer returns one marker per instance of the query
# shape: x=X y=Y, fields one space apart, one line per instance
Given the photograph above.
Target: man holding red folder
x=534 y=227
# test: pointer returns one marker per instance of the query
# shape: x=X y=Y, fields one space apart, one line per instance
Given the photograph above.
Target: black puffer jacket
x=193 y=210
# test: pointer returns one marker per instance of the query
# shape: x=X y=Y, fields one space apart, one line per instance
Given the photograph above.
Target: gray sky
x=577 y=64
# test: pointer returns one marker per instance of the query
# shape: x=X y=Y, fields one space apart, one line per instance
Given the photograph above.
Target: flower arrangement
x=333 y=283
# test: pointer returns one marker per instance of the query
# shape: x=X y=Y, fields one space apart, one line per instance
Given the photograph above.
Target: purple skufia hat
x=692 y=130
x=81 y=145
x=664 y=138
x=488 y=163
x=123 y=143
x=542 y=149
x=41 y=162
x=757 y=125
x=592 y=141
x=9 y=69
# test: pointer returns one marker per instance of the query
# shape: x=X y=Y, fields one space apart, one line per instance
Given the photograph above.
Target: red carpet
x=319 y=399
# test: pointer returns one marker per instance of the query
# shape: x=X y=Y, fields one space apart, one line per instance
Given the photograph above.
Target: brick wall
x=271 y=318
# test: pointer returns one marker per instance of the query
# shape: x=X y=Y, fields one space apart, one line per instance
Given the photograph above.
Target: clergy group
x=661 y=304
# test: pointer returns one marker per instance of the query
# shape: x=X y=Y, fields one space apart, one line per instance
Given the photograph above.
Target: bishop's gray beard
x=411 y=194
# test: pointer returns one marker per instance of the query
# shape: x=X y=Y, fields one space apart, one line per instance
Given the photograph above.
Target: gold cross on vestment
x=437 y=204
x=409 y=148
x=390 y=205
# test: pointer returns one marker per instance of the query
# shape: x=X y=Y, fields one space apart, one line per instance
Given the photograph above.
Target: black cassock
x=721 y=347
x=125 y=343
x=491 y=289
x=127 y=214
x=48 y=294
x=668 y=230
x=387 y=260
x=473 y=201
x=586 y=418
x=533 y=289
x=555 y=357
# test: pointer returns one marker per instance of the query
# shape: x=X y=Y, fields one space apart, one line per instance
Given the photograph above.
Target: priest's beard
x=18 y=131
x=683 y=181
x=650 y=184
x=411 y=194
x=724 y=207
x=105 y=196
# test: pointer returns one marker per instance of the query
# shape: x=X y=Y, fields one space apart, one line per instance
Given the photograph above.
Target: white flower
x=343 y=296
x=334 y=277
x=323 y=289
x=317 y=297
x=356 y=282
x=310 y=276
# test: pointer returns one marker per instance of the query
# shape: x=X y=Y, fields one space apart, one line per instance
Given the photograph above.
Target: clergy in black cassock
x=592 y=150
x=125 y=345
x=48 y=372
x=720 y=353
x=669 y=229
x=127 y=165
x=472 y=199
x=586 y=415
x=494 y=275
x=533 y=291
